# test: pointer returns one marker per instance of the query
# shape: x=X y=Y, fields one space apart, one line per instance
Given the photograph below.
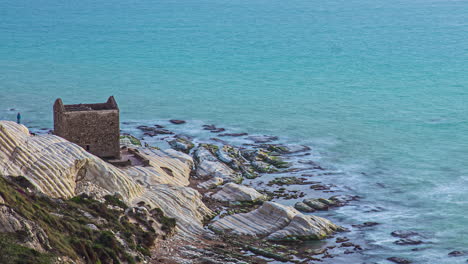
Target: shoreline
x=303 y=178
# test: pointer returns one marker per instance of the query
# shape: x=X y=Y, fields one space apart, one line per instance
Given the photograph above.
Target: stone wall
x=97 y=131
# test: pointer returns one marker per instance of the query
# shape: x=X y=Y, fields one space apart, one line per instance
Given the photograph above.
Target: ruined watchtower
x=95 y=127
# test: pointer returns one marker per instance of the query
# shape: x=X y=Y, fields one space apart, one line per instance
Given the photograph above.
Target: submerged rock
x=366 y=224
x=408 y=241
x=404 y=233
x=399 y=260
x=177 y=122
x=457 y=253
x=262 y=139
x=286 y=149
x=232 y=192
x=233 y=134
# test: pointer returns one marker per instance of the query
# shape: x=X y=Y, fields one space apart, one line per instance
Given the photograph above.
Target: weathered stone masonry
x=95 y=127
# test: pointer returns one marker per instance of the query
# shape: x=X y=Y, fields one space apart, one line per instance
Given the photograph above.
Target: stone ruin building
x=95 y=127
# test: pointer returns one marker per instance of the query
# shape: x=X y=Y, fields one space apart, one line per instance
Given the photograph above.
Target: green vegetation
x=211 y=147
x=65 y=223
x=12 y=253
x=135 y=141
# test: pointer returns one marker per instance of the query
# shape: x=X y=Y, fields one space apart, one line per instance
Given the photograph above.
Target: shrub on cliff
x=80 y=228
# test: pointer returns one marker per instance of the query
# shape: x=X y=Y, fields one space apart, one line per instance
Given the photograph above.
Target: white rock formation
x=210 y=169
x=166 y=167
x=211 y=183
x=276 y=222
x=233 y=192
x=305 y=227
x=267 y=219
x=55 y=165
x=60 y=168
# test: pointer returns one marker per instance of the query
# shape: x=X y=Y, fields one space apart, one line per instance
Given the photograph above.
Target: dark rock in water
x=12 y=109
x=408 y=241
x=145 y=128
x=220 y=141
x=457 y=253
x=300 y=206
x=285 y=149
x=213 y=128
x=320 y=187
x=314 y=203
x=347 y=244
x=218 y=130
x=177 y=122
x=233 y=134
x=348 y=252
x=341 y=200
x=163 y=132
x=262 y=139
x=366 y=224
x=342 y=239
x=209 y=127
x=158 y=126
x=403 y=233
x=399 y=260
x=156 y=132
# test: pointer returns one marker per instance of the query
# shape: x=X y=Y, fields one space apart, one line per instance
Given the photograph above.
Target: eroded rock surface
x=276 y=222
x=233 y=192
x=59 y=168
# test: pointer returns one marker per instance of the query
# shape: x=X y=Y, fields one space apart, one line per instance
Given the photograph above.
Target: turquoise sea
x=379 y=88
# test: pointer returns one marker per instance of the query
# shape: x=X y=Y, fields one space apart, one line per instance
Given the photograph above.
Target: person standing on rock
x=18 y=118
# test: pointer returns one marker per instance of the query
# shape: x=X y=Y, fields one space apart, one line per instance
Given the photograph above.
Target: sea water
x=378 y=88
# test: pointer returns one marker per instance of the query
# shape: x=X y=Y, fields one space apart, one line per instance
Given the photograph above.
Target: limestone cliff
x=61 y=169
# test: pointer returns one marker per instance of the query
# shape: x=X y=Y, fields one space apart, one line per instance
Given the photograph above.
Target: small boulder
x=457 y=253
x=263 y=167
x=399 y=260
x=232 y=192
x=177 y=122
x=181 y=144
x=404 y=233
x=304 y=207
x=317 y=205
x=408 y=241
x=366 y=224
x=233 y=134
x=211 y=183
x=262 y=139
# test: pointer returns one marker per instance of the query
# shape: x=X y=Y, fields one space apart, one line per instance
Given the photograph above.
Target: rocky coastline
x=196 y=201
